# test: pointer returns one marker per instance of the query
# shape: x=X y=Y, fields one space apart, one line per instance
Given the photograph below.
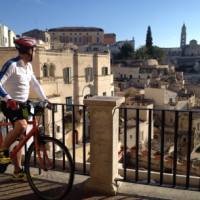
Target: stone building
x=109 y=38
x=143 y=105
x=144 y=74
x=183 y=36
x=69 y=74
x=7 y=36
x=149 y=68
x=38 y=35
x=77 y=35
x=187 y=56
x=68 y=77
x=115 y=48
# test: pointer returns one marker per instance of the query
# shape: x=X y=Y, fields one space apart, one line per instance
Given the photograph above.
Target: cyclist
x=16 y=77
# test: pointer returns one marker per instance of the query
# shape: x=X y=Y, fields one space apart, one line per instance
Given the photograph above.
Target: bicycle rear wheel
x=50 y=172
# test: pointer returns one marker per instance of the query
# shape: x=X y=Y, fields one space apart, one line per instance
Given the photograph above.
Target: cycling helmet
x=24 y=45
x=25 y=42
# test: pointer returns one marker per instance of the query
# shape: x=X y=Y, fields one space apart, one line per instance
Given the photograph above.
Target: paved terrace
x=128 y=191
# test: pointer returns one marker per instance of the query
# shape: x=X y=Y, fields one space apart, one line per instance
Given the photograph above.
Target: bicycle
x=48 y=164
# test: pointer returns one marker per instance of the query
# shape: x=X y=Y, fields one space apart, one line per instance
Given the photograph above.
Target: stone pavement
x=128 y=191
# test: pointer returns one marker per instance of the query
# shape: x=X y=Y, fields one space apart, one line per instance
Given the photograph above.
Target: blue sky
x=126 y=18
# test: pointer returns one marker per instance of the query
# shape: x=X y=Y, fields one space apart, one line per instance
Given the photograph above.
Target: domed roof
x=193 y=43
x=151 y=62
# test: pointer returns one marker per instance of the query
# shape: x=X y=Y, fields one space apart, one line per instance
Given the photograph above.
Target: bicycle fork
x=43 y=158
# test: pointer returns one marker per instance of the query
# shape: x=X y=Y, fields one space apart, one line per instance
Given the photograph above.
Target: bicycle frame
x=33 y=132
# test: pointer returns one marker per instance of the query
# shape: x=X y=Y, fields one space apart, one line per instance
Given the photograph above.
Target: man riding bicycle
x=16 y=77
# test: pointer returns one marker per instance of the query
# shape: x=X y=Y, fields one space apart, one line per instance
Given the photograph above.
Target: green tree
x=141 y=53
x=158 y=53
x=126 y=51
x=149 y=42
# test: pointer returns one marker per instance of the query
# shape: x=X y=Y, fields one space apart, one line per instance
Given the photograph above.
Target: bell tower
x=183 y=36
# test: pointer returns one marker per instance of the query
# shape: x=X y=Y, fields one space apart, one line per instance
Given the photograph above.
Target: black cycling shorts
x=12 y=115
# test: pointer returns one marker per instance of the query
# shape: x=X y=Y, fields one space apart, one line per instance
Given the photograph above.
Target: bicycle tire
x=31 y=179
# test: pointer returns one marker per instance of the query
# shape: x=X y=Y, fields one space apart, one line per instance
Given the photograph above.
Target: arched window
x=52 y=68
x=45 y=70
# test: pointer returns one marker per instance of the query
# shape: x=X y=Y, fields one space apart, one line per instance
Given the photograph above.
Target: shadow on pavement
x=10 y=190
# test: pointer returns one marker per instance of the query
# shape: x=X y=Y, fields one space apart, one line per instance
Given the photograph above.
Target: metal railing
x=72 y=119
x=61 y=123
x=157 y=145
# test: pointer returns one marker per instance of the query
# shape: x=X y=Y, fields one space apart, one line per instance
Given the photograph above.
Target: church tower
x=183 y=36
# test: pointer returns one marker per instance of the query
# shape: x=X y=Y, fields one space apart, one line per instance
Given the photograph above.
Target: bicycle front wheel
x=50 y=171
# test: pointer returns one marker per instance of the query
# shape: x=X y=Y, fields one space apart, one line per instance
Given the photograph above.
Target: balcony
x=149 y=163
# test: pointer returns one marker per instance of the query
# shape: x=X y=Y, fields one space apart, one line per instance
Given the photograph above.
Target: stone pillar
x=104 y=133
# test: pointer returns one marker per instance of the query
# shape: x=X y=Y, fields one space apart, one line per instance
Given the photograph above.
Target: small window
x=68 y=103
x=104 y=93
x=112 y=93
x=67 y=75
x=89 y=74
x=45 y=70
x=104 y=71
x=52 y=70
x=58 y=129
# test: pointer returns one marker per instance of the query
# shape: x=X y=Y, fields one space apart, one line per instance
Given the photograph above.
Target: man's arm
x=37 y=87
x=5 y=74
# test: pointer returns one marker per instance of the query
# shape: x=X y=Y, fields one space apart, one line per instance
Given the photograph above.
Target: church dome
x=193 y=43
x=151 y=62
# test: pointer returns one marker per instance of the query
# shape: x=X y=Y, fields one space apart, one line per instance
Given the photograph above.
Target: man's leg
x=18 y=131
x=17 y=162
x=19 y=128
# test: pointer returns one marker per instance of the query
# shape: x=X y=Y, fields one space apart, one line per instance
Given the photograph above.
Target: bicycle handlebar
x=34 y=107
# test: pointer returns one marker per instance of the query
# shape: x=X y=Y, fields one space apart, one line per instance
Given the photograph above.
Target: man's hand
x=12 y=104
x=49 y=105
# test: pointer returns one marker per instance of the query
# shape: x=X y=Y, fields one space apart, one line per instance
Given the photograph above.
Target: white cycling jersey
x=16 y=79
